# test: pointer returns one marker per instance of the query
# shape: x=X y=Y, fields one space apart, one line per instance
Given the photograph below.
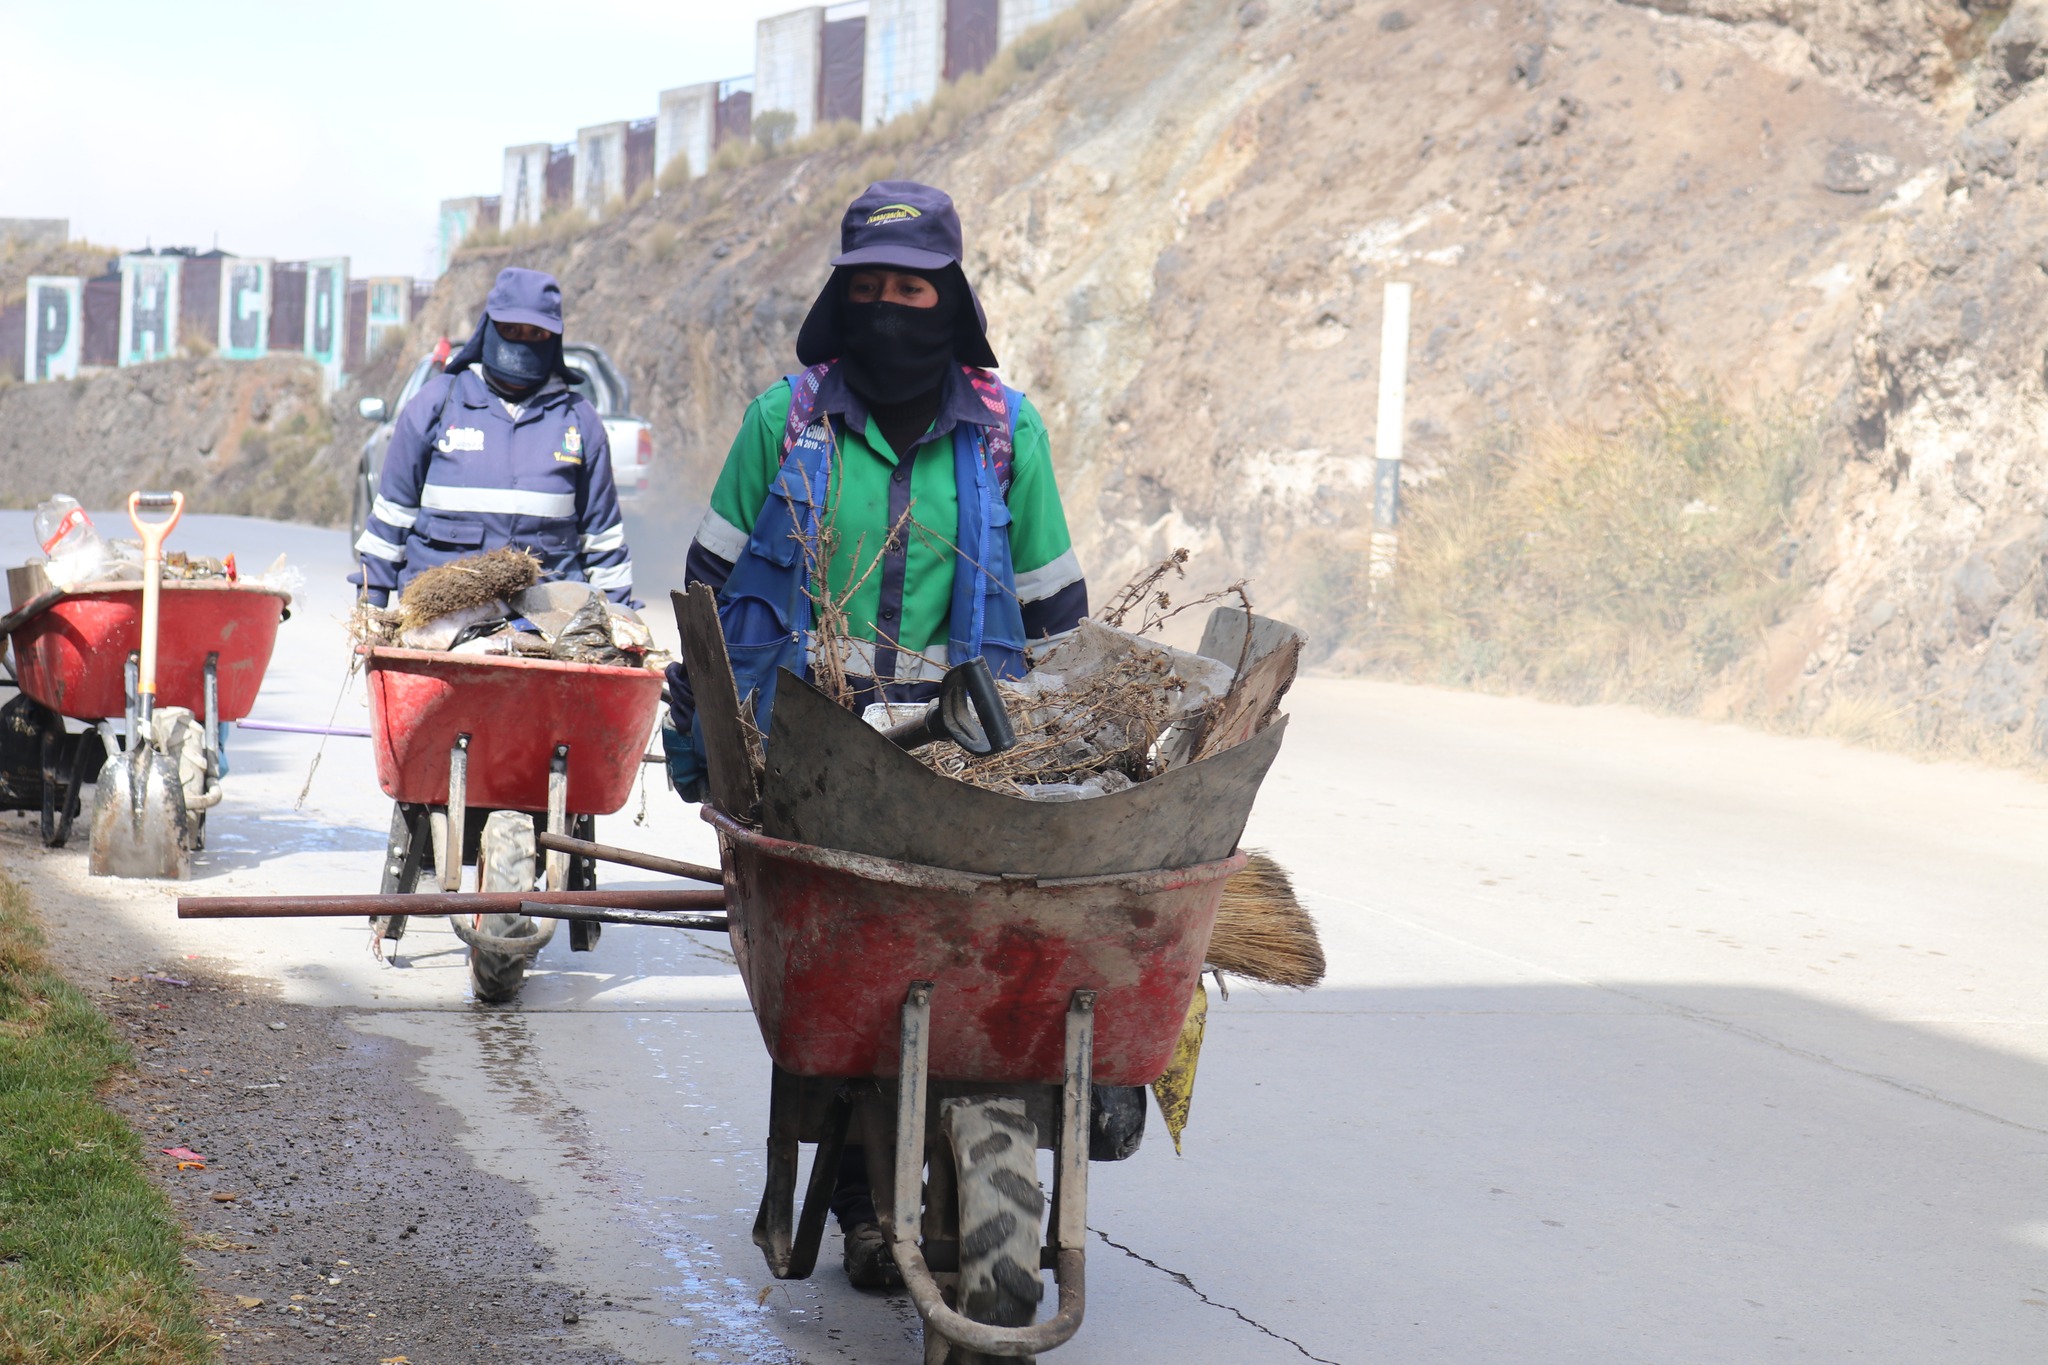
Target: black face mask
x=516 y=366
x=895 y=353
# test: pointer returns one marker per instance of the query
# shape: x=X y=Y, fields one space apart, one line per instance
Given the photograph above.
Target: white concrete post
x=1386 y=480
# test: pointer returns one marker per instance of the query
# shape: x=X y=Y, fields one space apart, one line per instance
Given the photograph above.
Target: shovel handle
x=152 y=534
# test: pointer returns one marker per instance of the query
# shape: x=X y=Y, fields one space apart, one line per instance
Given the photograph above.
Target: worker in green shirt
x=899 y=484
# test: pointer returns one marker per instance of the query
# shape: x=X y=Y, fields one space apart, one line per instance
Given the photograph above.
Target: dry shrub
x=774 y=130
x=1586 y=567
x=675 y=175
x=660 y=242
x=737 y=153
x=826 y=137
x=1106 y=722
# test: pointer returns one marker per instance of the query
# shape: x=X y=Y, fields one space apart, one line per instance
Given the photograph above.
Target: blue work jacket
x=467 y=473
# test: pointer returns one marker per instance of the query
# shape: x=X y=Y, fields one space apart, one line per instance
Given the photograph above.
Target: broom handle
x=153 y=534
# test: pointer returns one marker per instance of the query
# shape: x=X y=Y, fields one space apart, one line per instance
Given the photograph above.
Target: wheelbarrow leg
x=583 y=877
x=404 y=860
x=209 y=777
x=794 y=1258
x=52 y=740
x=458 y=814
x=86 y=758
x=131 y=677
x=1070 y=1160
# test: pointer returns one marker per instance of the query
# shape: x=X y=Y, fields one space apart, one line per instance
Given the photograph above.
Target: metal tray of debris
x=834 y=782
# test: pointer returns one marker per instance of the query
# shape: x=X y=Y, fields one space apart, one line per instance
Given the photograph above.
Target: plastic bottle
x=76 y=552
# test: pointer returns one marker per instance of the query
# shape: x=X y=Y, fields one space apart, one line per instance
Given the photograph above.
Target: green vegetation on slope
x=1578 y=566
x=90 y=1267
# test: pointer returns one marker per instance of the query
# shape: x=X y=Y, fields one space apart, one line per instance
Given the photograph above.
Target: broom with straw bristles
x=1262 y=932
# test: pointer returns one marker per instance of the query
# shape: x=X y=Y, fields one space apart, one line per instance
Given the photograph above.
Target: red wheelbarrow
x=75 y=656
x=459 y=737
x=953 y=1024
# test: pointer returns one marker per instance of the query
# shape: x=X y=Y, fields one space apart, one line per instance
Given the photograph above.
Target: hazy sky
x=297 y=129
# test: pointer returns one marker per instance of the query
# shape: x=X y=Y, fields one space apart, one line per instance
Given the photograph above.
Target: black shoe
x=868 y=1260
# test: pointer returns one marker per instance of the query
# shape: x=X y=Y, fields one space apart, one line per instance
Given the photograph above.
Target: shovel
x=138 y=810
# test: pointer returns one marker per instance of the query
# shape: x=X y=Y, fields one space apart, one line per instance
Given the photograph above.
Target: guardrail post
x=1386 y=474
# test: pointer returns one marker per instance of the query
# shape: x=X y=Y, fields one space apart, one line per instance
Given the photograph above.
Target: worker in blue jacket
x=497 y=450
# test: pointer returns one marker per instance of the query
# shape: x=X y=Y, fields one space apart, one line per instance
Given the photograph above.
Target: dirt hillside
x=242 y=437
x=1182 y=217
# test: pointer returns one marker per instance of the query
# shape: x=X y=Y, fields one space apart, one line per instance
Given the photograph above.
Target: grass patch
x=90 y=1267
x=1586 y=567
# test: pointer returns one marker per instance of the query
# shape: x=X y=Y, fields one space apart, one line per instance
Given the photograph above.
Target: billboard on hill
x=149 y=308
x=56 y=328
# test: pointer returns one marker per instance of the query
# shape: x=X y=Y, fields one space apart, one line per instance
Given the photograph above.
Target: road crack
x=1189 y=1285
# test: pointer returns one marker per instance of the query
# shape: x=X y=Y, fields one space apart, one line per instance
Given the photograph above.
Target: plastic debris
x=73 y=549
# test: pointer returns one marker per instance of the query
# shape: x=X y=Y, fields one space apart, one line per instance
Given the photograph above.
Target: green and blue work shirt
x=896 y=591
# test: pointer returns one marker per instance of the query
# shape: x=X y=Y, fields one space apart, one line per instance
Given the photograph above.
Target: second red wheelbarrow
x=459 y=737
x=75 y=655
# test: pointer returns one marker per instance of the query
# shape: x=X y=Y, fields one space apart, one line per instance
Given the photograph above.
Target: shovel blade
x=139 y=821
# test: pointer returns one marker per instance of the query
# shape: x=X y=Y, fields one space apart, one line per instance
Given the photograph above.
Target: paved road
x=1643 y=1041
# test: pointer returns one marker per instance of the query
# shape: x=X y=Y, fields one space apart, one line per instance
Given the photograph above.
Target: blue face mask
x=518 y=365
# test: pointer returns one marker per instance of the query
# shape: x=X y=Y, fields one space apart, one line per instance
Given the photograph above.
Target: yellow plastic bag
x=1175 y=1090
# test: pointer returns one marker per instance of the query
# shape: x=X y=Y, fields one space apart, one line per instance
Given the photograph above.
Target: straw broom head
x=465 y=584
x=1262 y=932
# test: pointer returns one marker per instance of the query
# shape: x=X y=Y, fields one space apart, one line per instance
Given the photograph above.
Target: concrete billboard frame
x=906 y=49
x=387 y=308
x=457 y=219
x=326 y=339
x=245 y=289
x=524 y=201
x=600 y=180
x=149 y=308
x=788 y=49
x=686 y=126
x=55 y=318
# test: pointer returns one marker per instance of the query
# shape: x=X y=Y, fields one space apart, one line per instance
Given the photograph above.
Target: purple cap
x=529 y=296
x=900 y=223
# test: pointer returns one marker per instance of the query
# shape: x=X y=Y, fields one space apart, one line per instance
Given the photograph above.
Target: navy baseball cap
x=530 y=296
x=900 y=223
x=903 y=225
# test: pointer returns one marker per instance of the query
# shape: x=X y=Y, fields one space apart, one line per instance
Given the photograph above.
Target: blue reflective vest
x=765 y=609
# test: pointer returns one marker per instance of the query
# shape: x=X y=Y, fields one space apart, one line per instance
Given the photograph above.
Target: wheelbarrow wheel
x=1001 y=1215
x=506 y=858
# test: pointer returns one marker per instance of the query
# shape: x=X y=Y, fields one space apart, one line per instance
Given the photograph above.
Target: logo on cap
x=892 y=213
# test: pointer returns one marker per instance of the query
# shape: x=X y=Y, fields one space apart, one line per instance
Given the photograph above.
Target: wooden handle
x=153 y=534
